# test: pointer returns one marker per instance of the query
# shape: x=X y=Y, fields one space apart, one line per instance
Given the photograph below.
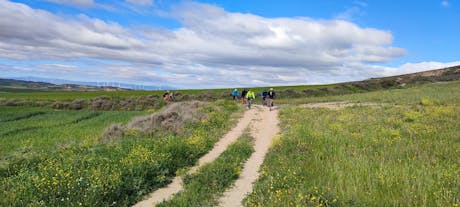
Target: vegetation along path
x=264 y=127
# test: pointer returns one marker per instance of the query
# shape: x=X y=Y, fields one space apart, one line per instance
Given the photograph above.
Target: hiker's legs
x=249 y=103
x=270 y=103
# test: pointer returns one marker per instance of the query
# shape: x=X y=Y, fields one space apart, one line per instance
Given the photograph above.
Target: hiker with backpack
x=250 y=97
x=264 y=95
x=271 y=95
x=235 y=94
x=172 y=98
x=243 y=96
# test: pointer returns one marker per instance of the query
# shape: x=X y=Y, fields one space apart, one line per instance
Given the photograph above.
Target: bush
x=77 y=104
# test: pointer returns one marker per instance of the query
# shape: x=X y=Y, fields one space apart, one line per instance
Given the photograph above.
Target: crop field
x=27 y=132
x=403 y=151
x=57 y=158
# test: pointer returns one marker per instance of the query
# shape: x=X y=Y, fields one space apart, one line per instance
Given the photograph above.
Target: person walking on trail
x=172 y=98
x=243 y=96
x=166 y=96
x=250 y=96
x=264 y=95
x=235 y=94
x=271 y=96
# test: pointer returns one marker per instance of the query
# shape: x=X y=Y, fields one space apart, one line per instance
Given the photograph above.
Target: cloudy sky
x=218 y=43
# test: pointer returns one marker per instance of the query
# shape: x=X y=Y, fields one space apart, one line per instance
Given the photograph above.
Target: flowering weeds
x=405 y=154
x=83 y=172
x=204 y=187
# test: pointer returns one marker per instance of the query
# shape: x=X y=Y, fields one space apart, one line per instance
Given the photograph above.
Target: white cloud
x=445 y=3
x=360 y=3
x=349 y=14
x=141 y=2
x=78 y=3
x=353 y=12
x=213 y=48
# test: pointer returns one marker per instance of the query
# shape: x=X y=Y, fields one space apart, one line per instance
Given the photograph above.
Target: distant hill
x=98 y=84
x=372 y=84
x=12 y=85
x=439 y=75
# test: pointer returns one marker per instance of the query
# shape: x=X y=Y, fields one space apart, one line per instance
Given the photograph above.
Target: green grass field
x=403 y=153
x=61 y=95
x=53 y=158
x=443 y=92
x=26 y=132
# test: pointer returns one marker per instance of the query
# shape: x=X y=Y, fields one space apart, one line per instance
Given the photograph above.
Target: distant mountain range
x=37 y=83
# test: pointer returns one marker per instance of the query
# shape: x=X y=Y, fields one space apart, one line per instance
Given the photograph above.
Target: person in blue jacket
x=264 y=95
x=235 y=94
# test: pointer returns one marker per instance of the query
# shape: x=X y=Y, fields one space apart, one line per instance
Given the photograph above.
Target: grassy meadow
x=55 y=158
x=440 y=93
x=404 y=152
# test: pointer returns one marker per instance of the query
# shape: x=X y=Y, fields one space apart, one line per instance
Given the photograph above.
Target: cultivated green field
x=405 y=151
x=27 y=132
x=55 y=158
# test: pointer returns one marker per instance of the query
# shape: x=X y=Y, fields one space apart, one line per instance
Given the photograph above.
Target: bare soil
x=264 y=129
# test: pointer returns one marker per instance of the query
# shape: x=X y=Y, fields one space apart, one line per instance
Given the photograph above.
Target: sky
x=220 y=44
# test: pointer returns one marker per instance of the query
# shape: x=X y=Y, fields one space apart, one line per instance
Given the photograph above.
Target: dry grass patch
x=171 y=119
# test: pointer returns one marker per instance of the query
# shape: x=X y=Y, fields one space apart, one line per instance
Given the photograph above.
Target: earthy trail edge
x=263 y=131
x=176 y=185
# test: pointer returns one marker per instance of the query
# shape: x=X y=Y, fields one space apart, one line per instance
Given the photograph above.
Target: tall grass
x=405 y=154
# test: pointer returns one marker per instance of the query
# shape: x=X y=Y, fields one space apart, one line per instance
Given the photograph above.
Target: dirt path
x=263 y=131
x=176 y=186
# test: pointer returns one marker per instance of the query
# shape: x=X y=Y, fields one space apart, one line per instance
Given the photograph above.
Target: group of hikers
x=248 y=96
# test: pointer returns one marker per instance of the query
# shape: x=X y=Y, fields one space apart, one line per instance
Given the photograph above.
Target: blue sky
x=211 y=44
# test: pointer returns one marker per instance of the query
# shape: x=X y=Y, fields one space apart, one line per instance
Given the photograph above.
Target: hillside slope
x=11 y=85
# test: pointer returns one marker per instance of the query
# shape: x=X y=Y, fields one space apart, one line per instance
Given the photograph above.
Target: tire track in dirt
x=263 y=131
x=176 y=185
